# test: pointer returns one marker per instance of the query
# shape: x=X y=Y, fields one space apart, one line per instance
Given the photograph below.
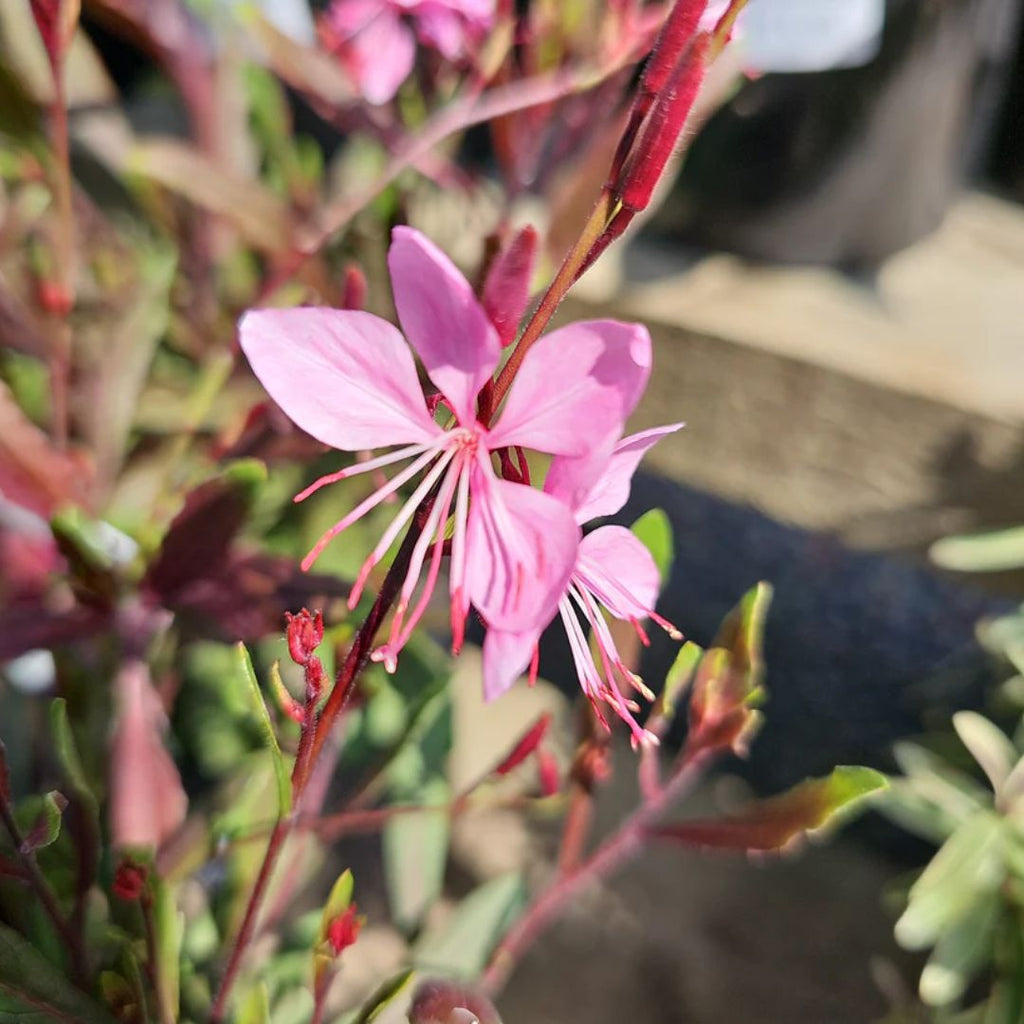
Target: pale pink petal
x=382 y=55
x=147 y=799
x=443 y=320
x=521 y=547
x=598 y=484
x=507 y=656
x=575 y=388
x=346 y=377
x=347 y=17
x=620 y=571
x=443 y=29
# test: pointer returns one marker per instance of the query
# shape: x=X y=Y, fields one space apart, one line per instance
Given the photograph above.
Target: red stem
x=615 y=851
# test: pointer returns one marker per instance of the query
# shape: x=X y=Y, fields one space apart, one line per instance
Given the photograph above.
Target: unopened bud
x=547 y=769
x=353 y=295
x=53 y=297
x=526 y=745
x=305 y=634
x=129 y=880
x=343 y=931
x=653 y=149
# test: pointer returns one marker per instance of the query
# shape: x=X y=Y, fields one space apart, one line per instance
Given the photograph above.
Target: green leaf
x=987 y=552
x=70 y=761
x=970 y=865
x=170 y=932
x=960 y=953
x=779 y=822
x=255 y=1008
x=38 y=989
x=654 y=530
x=415 y=855
x=932 y=779
x=677 y=680
x=383 y=997
x=281 y=774
x=463 y=945
x=47 y=813
x=989 y=746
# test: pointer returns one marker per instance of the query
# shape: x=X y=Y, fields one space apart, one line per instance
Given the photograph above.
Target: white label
x=810 y=35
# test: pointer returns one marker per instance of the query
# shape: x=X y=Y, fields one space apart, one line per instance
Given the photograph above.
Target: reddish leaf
x=782 y=821
x=198 y=541
x=727 y=686
x=46 y=826
x=56 y=20
x=147 y=800
x=26 y=627
x=33 y=473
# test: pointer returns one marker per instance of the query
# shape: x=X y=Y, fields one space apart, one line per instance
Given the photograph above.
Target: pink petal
x=147 y=800
x=521 y=547
x=442 y=320
x=507 y=656
x=575 y=388
x=598 y=484
x=383 y=54
x=346 y=377
x=443 y=29
x=620 y=571
x=347 y=17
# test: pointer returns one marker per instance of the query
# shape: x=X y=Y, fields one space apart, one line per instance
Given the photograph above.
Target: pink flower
x=377 y=38
x=613 y=571
x=349 y=379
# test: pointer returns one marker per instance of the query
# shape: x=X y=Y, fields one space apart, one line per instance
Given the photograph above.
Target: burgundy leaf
x=507 y=288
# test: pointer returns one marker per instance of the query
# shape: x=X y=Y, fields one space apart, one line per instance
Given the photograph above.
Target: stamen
x=366 y=467
x=365 y=506
x=457 y=566
x=407 y=511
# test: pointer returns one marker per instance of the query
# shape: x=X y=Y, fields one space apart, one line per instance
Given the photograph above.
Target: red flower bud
x=507 y=288
x=526 y=746
x=550 y=777
x=353 y=294
x=56 y=20
x=647 y=160
x=129 y=880
x=53 y=297
x=305 y=634
x=343 y=931
x=673 y=40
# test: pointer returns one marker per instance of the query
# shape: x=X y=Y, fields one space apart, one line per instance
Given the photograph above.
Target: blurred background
x=835 y=284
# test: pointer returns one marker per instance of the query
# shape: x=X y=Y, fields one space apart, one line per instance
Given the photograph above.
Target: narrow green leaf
x=70 y=761
x=170 y=932
x=677 y=680
x=383 y=997
x=780 y=821
x=986 y=552
x=960 y=953
x=654 y=530
x=32 y=982
x=255 y=1008
x=988 y=744
x=284 y=784
x=969 y=865
x=463 y=945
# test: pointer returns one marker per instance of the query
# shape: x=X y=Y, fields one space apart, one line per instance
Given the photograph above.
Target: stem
x=274 y=846
x=63 y=245
x=163 y=1004
x=615 y=851
x=321 y=987
x=46 y=895
x=557 y=291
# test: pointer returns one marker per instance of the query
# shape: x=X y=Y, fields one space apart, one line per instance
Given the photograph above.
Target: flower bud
x=526 y=745
x=547 y=768
x=305 y=634
x=343 y=930
x=129 y=880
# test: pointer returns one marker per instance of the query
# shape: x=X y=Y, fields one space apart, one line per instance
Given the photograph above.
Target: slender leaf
x=988 y=744
x=384 y=996
x=779 y=822
x=960 y=953
x=259 y=706
x=987 y=552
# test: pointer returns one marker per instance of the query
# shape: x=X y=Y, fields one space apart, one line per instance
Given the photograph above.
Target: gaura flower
x=349 y=379
x=613 y=571
x=376 y=39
